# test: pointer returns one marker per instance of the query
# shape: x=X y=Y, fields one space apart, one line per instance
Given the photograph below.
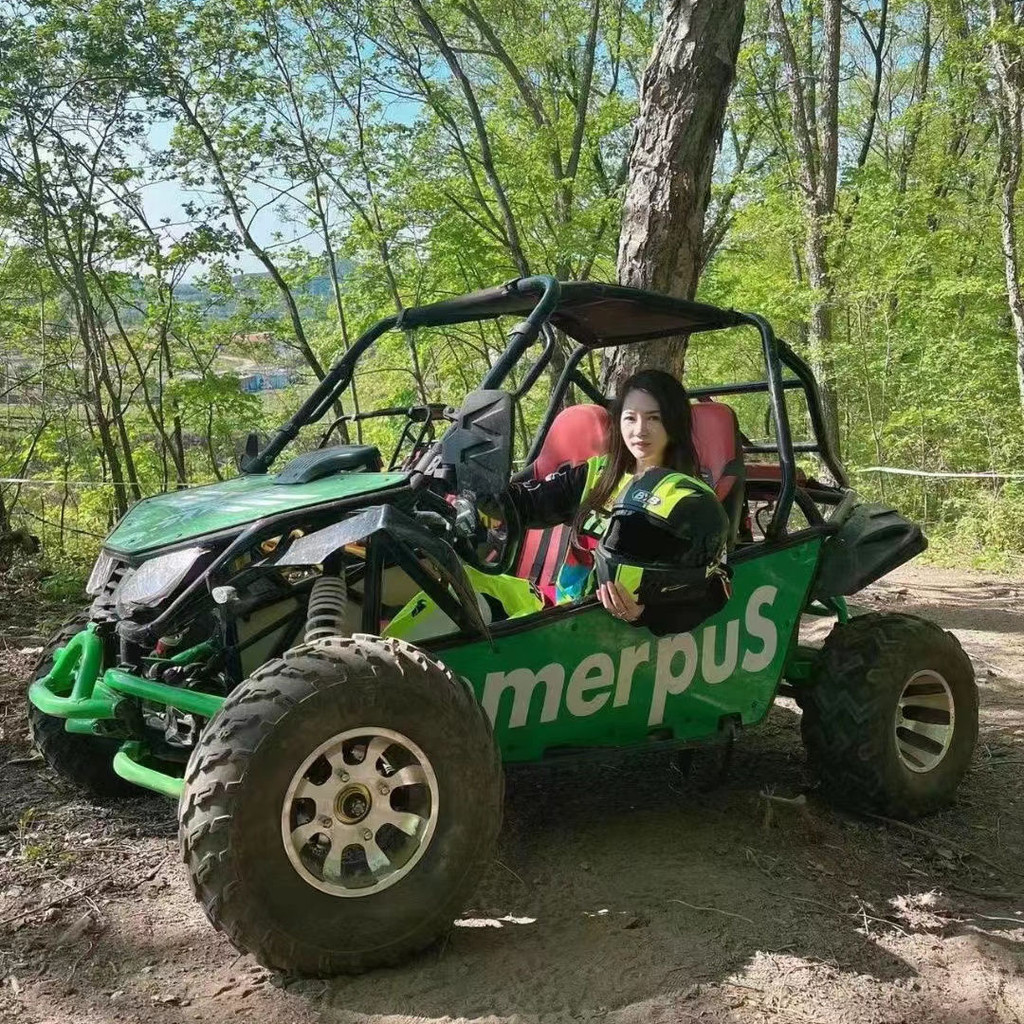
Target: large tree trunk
x=682 y=110
x=1007 y=55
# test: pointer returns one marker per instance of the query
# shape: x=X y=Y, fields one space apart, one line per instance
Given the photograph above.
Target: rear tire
x=86 y=762
x=890 y=717
x=256 y=764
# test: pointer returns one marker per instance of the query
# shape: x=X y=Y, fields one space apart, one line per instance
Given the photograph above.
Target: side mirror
x=479 y=444
x=252 y=449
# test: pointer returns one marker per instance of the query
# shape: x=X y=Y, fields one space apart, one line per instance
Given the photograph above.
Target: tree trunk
x=815 y=128
x=1007 y=53
x=682 y=111
x=1013 y=286
x=818 y=269
x=819 y=333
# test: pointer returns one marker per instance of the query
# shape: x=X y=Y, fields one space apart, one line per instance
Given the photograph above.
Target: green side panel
x=179 y=515
x=589 y=680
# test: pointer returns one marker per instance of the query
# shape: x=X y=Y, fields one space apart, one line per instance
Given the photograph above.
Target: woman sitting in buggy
x=647 y=534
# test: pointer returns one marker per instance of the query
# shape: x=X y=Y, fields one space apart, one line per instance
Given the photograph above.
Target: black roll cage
x=667 y=317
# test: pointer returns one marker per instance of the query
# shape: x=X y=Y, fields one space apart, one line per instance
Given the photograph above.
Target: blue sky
x=167 y=199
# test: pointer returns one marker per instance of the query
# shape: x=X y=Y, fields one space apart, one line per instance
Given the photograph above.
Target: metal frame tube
x=814 y=407
x=128 y=765
x=771 y=449
x=745 y=388
x=555 y=402
x=322 y=398
x=777 y=402
x=524 y=337
x=550 y=340
x=340 y=375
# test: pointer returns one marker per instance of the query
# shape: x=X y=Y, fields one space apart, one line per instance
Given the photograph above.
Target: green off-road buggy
x=340 y=792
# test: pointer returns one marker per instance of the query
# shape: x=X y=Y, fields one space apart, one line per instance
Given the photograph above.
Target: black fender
x=873 y=540
x=407 y=543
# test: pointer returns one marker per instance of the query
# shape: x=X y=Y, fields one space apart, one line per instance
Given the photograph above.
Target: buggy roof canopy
x=594 y=314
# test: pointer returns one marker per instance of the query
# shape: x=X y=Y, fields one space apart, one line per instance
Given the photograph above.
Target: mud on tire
x=86 y=762
x=230 y=815
x=854 y=728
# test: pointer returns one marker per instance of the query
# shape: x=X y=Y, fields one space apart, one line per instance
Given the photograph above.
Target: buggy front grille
x=104 y=608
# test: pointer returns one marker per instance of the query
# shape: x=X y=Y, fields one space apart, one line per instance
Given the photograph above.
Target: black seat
x=352 y=458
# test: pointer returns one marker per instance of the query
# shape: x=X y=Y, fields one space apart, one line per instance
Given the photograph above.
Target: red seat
x=577 y=433
x=581 y=431
x=716 y=438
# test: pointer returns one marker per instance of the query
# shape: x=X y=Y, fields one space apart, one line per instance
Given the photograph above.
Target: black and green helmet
x=666 y=530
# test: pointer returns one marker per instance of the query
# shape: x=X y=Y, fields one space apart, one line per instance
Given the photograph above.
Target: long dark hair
x=680 y=455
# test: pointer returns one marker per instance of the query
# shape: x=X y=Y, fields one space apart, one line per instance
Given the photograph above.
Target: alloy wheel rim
x=924 y=722
x=359 y=812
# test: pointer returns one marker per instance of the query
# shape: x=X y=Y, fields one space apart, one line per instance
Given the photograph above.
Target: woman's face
x=643 y=430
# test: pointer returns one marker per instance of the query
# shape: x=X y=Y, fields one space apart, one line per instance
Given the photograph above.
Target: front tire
x=308 y=855
x=890 y=717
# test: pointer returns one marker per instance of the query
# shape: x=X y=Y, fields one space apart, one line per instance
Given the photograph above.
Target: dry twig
x=60 y=899
x=712 y=910
x=987 y=894
x=1013 y=920
x=511 y=872
x=925 y=833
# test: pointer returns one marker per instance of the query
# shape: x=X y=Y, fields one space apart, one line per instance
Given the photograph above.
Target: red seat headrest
x=578 y=433
x=714 y=438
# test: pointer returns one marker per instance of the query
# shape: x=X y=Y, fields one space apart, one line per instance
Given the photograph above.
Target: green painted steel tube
x=190 y=701
x=49 y=703
x=83 y=726
x=86 y=649
x=197 y=653
x=830 y=606
x=69 y=689
x=128 y=764
x=72 y=690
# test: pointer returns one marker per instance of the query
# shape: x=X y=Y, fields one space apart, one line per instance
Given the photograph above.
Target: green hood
x=170 y=518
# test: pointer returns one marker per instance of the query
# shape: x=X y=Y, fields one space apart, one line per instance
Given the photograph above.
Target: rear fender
x=873 y=540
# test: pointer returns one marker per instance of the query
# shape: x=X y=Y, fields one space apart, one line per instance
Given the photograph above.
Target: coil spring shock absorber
x=325 y=615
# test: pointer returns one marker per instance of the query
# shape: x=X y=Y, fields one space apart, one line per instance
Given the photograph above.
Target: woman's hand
x=618 y=601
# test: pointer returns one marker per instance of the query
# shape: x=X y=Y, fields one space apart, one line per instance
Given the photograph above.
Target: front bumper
x=75 y=690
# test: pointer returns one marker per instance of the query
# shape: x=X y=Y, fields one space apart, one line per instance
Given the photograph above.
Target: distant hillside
x=316 y=288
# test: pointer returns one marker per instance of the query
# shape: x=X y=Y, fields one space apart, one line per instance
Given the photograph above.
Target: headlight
x=154 y=580
x=100 y=574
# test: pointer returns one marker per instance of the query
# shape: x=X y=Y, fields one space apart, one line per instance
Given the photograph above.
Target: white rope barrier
x=61 y=483
x=945 y=476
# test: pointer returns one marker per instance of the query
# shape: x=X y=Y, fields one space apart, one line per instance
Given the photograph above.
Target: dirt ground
x=620 y=892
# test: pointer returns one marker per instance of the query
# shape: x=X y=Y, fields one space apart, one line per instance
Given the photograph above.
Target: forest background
x=360 y=157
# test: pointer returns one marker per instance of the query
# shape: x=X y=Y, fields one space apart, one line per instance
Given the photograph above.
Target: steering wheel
x=490 y=549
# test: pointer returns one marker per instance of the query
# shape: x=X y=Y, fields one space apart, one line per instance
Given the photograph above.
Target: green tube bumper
x=128 y=764
x=74 y=690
